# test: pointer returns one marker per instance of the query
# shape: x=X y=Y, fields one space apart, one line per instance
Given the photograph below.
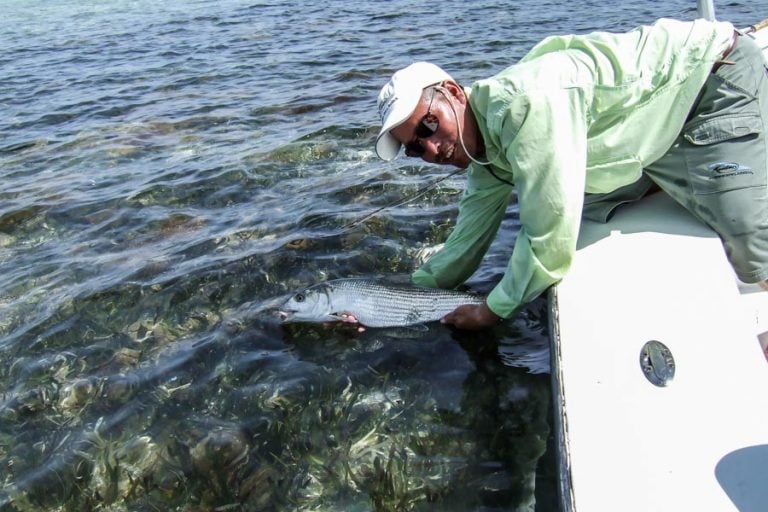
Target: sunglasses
x=426 y=128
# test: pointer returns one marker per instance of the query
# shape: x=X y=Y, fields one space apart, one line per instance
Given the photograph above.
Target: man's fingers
x=345 y=318
x=454 y=316
x=349 y=318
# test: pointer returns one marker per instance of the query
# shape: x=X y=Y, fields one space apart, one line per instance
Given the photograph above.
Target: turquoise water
x=170 y=171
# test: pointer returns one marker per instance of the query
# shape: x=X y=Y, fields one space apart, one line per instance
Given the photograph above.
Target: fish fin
x=417 y=327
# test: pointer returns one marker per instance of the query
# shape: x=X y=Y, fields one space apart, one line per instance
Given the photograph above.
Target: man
x=679 y=104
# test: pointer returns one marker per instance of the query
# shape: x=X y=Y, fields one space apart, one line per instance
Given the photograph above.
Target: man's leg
x=717 y=167
x=601 y=207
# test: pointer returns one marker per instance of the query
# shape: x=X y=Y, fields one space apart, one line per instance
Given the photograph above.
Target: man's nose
x=430 y=149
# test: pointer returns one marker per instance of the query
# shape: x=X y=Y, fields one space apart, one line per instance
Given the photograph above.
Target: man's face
x=432 y=130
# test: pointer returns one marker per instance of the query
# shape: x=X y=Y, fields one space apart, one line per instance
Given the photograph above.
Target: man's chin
x=461 y=159
x=461 y=162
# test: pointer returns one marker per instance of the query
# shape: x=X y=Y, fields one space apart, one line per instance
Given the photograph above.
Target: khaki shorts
x=716 y=168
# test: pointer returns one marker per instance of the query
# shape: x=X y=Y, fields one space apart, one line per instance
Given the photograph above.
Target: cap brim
x=387 y=146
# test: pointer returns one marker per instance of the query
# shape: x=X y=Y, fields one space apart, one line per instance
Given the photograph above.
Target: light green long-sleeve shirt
x=578 y=113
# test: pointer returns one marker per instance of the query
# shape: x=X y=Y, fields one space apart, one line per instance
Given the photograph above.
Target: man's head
x=424 y=109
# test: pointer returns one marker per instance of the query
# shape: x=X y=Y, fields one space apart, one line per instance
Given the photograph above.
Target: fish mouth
x=285 y=315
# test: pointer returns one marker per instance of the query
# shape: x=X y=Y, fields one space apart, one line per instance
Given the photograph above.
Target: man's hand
x=470 y=316
x=346 y=318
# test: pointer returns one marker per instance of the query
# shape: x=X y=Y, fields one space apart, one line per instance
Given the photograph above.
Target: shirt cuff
x=422 y=278
x=501 y=304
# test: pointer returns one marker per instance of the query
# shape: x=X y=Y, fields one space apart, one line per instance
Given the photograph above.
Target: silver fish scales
x=373 y=303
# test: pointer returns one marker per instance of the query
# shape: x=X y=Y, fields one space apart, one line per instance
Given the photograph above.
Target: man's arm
x=547 y=147
x=481 y=211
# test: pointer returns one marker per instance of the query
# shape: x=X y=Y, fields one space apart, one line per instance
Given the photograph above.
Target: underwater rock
x=220 y=449
x=120 y=388
x=125 y=356
x=77 y=394
x=6 y=240
x=120 y=465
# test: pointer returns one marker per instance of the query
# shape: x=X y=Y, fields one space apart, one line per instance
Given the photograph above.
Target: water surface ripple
x=170 y=171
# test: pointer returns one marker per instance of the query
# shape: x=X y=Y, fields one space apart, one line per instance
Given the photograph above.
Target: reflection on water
x=170 y=172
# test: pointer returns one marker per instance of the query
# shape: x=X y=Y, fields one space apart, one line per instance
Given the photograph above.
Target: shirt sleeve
x=543 y=136
x=481 y=211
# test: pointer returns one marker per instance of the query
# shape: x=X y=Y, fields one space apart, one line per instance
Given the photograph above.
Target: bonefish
x=373 y=303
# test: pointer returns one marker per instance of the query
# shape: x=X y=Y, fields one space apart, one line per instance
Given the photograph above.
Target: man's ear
x=455 y=90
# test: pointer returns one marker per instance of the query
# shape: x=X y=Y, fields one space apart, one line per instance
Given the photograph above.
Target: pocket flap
x=723 y=128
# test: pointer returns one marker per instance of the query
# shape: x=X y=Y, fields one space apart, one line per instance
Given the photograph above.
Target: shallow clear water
x=170 y=170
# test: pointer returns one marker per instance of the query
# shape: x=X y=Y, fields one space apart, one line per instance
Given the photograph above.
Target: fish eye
x=299 y=297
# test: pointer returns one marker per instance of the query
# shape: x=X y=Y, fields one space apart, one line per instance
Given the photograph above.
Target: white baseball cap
x=399 y=98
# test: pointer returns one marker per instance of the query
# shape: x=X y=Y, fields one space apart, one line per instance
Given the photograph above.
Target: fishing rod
x=706 y=9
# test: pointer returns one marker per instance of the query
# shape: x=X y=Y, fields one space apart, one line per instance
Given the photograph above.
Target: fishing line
x=403 y=201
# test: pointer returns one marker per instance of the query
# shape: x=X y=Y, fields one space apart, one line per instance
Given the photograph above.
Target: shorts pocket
x=726 y=153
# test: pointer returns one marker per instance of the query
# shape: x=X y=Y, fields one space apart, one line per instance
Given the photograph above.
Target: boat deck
x=698 y=443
